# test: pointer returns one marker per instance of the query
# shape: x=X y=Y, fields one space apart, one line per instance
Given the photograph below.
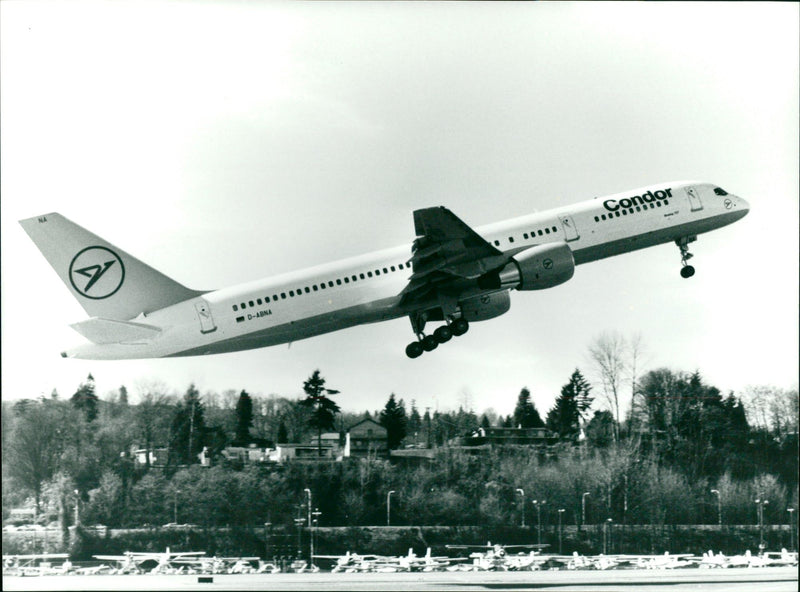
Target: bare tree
x=150 y=417
x=608 y=353
x=636 y=353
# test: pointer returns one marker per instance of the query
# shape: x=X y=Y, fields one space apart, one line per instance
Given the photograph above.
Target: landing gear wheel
x=459 y=327
x=429 y=343
x=443 y=334
x=414 y=349
x=687 y=271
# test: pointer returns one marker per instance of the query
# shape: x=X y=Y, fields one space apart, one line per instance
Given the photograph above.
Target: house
x=509 y=436
x=305 y=452
x=158 y=457
x=366 y=438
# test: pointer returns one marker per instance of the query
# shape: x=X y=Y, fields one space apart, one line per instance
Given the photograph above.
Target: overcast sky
x=224 y=142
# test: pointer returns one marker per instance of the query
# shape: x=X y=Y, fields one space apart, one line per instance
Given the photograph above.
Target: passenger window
x=540 y=232
x=251 y=303
x=638 y=209
x=291 y=293
x=307 y=289
x=511 y=239
x=361 y=275
x=283 y=295
x=617 y=214
x=354 y=278
x=547 y=231
x=597 y=219
x=266 y=299
x=330 y=284
x=385 y=270
x=497 y=243
x=555 y=229
x=338 y=282
x=525 y=236
x=346 y=280
x=658 y=204
x=369 y=274
x=314 y=287
x=666 y=202
x=258 y=301
x=624 y=212
x=392 y=268
x=235 y=308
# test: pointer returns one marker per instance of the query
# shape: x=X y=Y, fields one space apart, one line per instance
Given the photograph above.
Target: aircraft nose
x=743 y=205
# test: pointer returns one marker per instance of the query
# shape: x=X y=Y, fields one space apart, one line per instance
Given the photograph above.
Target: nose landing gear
x=687 y=270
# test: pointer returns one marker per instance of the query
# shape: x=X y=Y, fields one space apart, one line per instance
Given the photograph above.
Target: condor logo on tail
x=102 y=267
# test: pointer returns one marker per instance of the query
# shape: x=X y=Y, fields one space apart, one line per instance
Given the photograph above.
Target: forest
x=657 y=448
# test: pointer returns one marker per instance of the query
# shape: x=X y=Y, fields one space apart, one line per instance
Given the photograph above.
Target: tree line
x=654 y=460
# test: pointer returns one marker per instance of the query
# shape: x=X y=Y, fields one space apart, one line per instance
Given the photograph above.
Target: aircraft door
x=694 y=198
x=204 y=314
x=570 y=230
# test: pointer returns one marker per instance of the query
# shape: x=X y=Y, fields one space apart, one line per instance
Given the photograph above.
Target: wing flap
x=105 y=331
x=445 y=251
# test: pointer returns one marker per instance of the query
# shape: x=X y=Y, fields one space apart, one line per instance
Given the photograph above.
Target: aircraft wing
x=445 y=250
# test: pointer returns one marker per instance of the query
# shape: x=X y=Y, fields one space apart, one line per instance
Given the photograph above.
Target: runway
x=770 y=579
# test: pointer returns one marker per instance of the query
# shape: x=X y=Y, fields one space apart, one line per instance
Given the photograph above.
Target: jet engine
x=536 y=268
x=485 y=306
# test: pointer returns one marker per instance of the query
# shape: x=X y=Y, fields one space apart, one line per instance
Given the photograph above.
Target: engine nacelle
x=485 y=306
x=536 y=268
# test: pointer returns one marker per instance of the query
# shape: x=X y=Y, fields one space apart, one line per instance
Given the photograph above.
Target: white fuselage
x=367 y=288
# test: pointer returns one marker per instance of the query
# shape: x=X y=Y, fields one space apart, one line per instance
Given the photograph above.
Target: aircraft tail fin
x=107 y=282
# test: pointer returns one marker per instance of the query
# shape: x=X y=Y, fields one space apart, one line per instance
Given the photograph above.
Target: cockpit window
x=720 y=191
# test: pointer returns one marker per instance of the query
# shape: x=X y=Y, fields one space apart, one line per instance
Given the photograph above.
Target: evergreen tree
x=600 y=429
x=85 y=399
x=123 y=396
x=414 y=421
x=485 y=422
x=187 y=432
x=244 y=418
x=525 y=413
x=323 y=410
x=564 y=417
x=393 y=418
x=283 y=435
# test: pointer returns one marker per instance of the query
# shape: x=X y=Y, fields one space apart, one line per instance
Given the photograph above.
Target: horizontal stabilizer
x=104 y=331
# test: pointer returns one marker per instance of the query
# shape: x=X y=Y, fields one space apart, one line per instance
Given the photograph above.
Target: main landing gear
x=687 y=271
x=441 y=335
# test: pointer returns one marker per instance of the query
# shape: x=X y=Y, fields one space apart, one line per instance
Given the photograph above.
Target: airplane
x=132 y=562
x=26 y=565
x=450 y=274
x=496 y=557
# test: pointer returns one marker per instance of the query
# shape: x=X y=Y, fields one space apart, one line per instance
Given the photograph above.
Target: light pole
x=267 y=526
x=761 y=502
x=791 y=528
x=308 y=491
x=299 y=523
x=560 y=511
x=175 y=505
x=719 y=506
x=583 y=508
x=522 y=493
x=389 y=508
x=77 y=505
x=316 y=513
x=539 y=505
x=606 y=536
